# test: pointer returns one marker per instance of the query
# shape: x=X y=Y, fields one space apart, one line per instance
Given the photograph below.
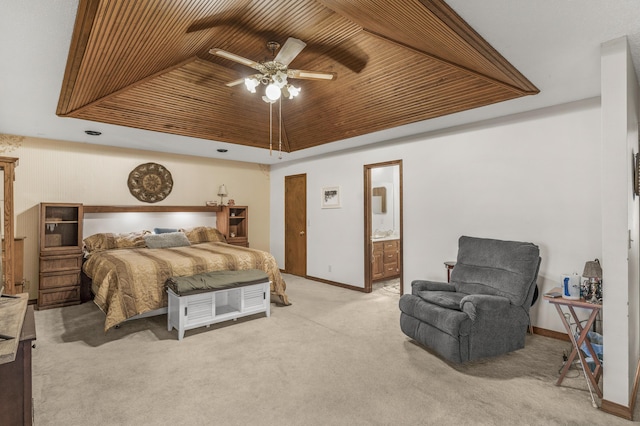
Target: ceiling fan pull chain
x=270 y=128
x=280 y=129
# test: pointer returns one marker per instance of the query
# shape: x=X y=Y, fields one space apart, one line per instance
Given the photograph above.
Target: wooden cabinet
x=18 y=262
x=15 y=372
x=377 y=271
x=233 y=222
x=60 y=254
x=385 y=260
x=8 y=165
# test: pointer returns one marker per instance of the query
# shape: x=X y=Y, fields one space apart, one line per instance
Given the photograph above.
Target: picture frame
x=330 y=197
x=635 y=167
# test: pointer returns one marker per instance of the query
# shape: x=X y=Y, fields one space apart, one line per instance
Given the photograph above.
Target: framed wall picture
x=330 y=197
x=635 y=167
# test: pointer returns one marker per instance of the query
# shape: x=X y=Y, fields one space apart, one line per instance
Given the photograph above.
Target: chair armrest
x=421 y=285
x=473 y=304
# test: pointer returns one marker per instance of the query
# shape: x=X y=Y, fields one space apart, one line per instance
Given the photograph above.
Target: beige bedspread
x=129 y=282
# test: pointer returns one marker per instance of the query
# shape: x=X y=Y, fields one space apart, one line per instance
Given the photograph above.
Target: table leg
x=567 y=363
x=592 y=376
x=595 y=375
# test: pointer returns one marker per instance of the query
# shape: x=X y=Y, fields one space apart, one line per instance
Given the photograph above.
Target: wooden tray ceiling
x=146 y=64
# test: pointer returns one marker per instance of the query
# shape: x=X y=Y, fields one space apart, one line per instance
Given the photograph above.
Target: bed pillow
x=164 y=230
x=166 y=240
x=110 y=241
x=204 y=234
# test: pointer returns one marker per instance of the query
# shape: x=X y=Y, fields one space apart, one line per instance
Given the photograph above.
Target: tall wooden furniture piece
x=8 y=166
x=386 y=260
x=60 y=254
x=16 y=321
x=18 y=264
x=233 y=223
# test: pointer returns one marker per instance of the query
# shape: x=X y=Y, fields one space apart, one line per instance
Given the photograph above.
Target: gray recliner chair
x=484 y=310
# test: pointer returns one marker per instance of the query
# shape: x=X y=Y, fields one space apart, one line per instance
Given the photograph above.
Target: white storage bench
x=212 y=297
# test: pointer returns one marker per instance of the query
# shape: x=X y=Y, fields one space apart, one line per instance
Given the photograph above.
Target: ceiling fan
x=274 y=73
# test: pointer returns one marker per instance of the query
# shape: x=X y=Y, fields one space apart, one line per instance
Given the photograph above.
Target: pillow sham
x=110 y=241
x=166 y=240
x=204 y=234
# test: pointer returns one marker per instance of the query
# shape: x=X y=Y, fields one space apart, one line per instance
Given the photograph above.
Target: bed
x=128 y=277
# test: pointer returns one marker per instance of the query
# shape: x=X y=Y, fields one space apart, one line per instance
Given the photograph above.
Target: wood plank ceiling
x=146 y=64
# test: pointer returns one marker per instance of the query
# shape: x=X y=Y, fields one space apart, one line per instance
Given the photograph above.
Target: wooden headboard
x=118 y=219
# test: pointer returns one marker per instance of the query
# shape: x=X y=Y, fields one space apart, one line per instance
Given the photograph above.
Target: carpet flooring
x=334 y=357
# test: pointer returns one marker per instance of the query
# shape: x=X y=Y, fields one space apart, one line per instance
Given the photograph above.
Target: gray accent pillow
x=164 y=230
x=166 y=240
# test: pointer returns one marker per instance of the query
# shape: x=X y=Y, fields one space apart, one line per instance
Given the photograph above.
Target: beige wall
x=56 y=171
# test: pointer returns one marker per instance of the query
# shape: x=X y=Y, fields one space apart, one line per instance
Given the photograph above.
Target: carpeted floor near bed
x=334 y=357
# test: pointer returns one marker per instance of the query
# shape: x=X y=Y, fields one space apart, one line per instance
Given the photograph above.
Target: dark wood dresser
x=16 y=319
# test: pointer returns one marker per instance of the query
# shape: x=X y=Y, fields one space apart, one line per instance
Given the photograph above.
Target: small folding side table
x=559 y=302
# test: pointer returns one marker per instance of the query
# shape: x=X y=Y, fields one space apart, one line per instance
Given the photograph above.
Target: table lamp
x=222 y=192
x=593 y=271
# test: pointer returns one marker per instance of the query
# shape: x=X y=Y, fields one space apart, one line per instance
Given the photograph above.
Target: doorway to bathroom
x=383 y=226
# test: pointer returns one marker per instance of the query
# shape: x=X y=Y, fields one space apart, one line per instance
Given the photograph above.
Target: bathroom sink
x=378 y=235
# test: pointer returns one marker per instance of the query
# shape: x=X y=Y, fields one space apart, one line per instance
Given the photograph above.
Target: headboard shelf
x=150 y=209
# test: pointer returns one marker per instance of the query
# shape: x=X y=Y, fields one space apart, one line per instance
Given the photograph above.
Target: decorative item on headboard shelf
x=231 y=202
x=53 y=240
x=150 y=182
x=222 y=192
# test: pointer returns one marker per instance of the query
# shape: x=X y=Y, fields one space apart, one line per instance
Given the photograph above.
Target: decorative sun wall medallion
x=150 y=182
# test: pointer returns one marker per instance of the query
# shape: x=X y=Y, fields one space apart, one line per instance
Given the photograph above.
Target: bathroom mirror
x=379 y=200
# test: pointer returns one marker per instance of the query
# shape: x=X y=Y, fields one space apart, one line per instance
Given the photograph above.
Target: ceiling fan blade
x=292 y=47
x=234 y=82
x=240 y=80
x=235 y=58
x=312 y=75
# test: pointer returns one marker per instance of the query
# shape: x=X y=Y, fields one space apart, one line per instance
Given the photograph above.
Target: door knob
x=301 y=232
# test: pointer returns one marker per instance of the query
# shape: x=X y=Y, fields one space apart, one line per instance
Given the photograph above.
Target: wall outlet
x=329 y=268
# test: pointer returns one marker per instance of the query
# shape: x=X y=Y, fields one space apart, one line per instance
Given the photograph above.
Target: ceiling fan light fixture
x=280 y=79
x=272 y=92
x=251 y=84
x=292 y=90
x=274 y=75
